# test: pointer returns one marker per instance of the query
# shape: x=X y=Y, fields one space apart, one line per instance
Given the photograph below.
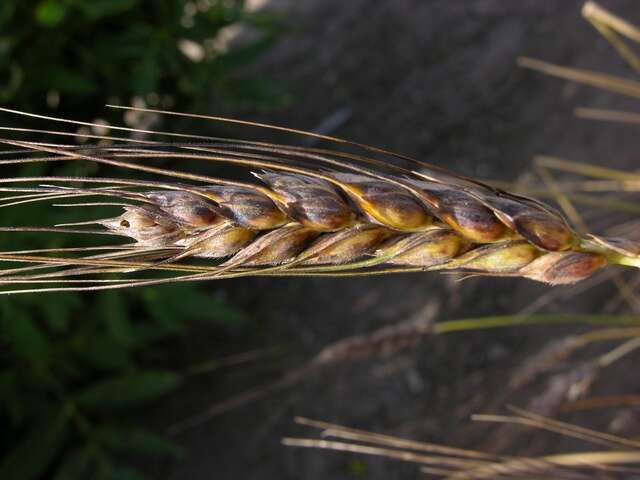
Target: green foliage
x=76 y=370
x=127 y=390
x=357 y=469
x=90 y=52
x=30 y=457
x=74 y=378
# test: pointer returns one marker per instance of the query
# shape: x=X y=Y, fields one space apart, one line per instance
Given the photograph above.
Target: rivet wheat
x=302 y=211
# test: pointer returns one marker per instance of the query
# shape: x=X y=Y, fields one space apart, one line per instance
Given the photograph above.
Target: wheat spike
x=299 y=211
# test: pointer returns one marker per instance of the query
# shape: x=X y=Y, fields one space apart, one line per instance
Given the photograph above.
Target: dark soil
x=436 y=80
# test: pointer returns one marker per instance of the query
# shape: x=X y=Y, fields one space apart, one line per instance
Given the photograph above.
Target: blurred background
x=202 y=381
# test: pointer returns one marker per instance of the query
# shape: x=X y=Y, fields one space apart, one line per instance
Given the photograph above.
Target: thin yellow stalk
x=587 y=170
x=600 y=80
x=607 y=115
x=379 y=451
x=609 y=25
x=592 y=11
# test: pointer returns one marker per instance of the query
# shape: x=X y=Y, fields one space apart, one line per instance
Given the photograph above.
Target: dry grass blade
x=612 y=27
x=558 y=350
x=602 y=402
x=526 y=418
x=406 y=456
x=608 y=115
x=611 y=83
x=463 y=464
x=594 y=12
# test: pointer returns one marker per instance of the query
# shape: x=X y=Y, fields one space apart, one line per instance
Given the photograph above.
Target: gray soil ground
x=436 y=80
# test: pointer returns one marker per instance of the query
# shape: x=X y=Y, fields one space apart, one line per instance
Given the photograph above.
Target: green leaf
x=161 y=304
x=102 y=352
x=67 y=369
x=75 y=464
x=7 y=9
x=119 y=473
x=146 y=73
x=68 y=81
x=96 y=9
x=13 y=79
x=10 y=397
x=357 y=468
x=188 y=303
x=51 y=13
x=267 y=21
x=6 y=45
x=58 y=310
x=145 y=442
x=23 y=335
x=246 y=54
x=149 y=334
x=33 y=454
x=127 y=390
x=138 y=441
x=113 y=309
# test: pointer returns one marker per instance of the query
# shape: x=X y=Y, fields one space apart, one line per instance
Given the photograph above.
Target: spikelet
x=301 y=211
x=246 y=207
x=385 y=203
x=346 y=246
x=187 y=207
x=147 y=225
x=433 y=247
x=463 y=213
x=310 y=201
x=221 y=241
x=278 y=246
x=562 y=268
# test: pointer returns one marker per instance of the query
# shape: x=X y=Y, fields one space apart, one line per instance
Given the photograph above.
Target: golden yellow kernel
x=560 y=268
x=346 y=246
x=312 y=202
x=504 y=257
x=187 y=207
x=275 y=247
x=246 y=207
x=389 y=205
x=424 y=249
x=222 y=242
x=547 y=232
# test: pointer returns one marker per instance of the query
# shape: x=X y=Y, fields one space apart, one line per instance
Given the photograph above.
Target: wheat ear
x=298 y=211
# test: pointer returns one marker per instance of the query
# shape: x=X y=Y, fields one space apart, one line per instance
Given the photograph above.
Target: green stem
x=613 y=257
x=618 y=259
x=515 y=320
